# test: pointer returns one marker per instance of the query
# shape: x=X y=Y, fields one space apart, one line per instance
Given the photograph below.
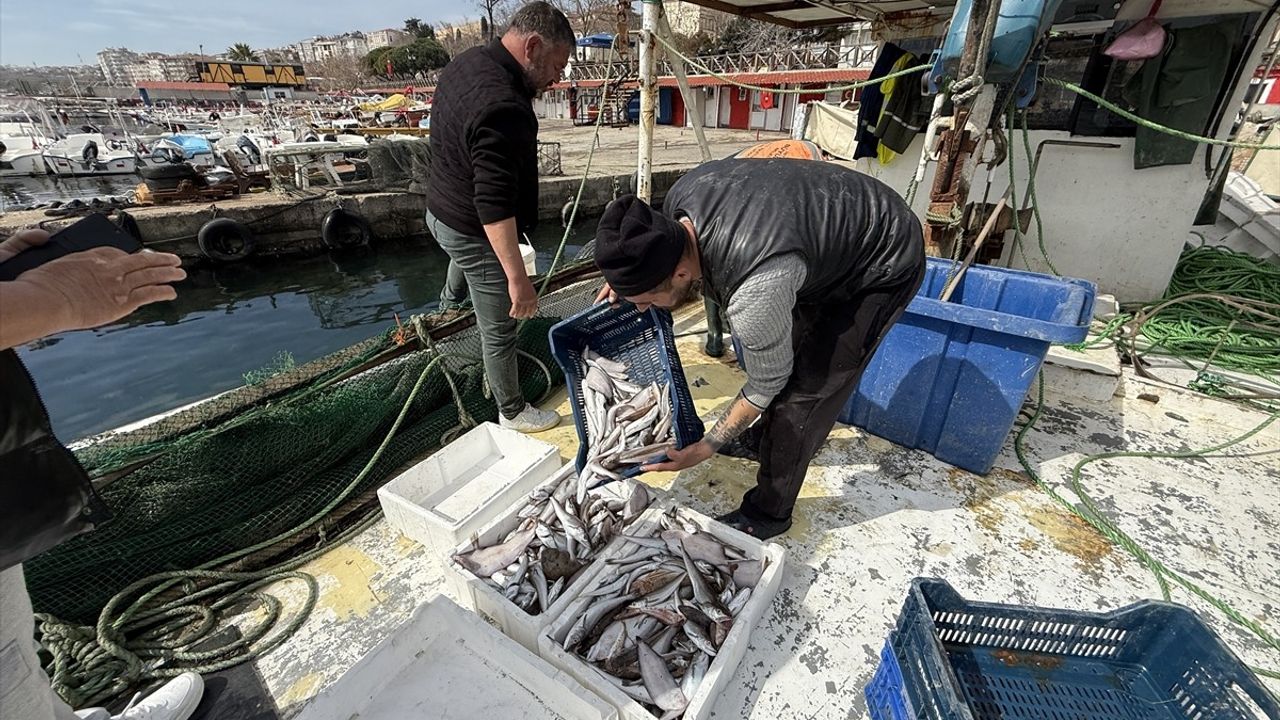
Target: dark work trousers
x=833 y=344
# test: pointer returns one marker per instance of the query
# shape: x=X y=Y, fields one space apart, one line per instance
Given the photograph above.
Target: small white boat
x=90 y=154
x=19 y=156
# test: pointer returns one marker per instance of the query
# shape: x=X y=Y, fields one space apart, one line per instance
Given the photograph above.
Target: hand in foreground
x=102 y=285
x=607 y=293
x=21 y=241
x=524 y=298
x=680 y=459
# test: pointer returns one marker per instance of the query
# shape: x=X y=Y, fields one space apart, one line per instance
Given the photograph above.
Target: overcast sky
x=53 y=32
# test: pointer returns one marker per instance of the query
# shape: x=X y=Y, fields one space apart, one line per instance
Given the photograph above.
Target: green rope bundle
x=1220 y=305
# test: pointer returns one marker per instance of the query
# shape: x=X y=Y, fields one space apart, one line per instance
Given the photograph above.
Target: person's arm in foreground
x=80 y=290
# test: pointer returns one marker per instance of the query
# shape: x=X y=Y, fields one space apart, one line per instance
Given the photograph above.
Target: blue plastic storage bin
x=950 y=377
x=962 y=660
x=646 y=342
x=1019 y=27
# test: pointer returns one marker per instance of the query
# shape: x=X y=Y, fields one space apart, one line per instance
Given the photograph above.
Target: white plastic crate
x=453 y=493
x=445 y=662
x=730 y=653
x=492 y=605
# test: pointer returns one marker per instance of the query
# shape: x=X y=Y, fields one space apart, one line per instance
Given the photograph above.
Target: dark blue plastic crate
x=962 y=660
x=950 y=377
x=646 y=342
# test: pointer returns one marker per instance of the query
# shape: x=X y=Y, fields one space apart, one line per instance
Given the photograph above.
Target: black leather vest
x=854 y=231
x=45 y=496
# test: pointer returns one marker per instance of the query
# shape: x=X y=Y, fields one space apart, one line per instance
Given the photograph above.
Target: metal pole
x=648 y=97
x=682 y=79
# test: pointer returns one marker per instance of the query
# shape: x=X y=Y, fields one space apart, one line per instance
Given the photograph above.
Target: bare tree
x=589 y=17
x=494 y=14
x=340 y=72
x=459 y=37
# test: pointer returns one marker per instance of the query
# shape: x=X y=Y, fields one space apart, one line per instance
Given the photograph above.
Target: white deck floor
x=872 y=516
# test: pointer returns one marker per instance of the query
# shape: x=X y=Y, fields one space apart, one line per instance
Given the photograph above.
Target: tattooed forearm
x=735 y=420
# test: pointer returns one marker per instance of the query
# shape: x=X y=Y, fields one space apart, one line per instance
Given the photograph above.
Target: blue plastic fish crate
x=886 y=694
x=950 y=377
x=645 y=342
x=961 y=660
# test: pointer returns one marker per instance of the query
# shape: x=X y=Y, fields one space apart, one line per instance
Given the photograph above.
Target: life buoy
x=225 y=240
x=89 y=153
x=766 y=100
x=342 y=228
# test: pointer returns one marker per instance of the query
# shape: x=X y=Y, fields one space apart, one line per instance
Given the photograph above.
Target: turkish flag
x=408 y=90
x=390 y=72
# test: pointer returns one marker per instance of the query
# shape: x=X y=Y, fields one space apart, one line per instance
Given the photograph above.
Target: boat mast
x=648 y=96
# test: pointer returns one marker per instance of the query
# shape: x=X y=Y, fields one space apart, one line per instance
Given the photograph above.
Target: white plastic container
x=492 y=605
x=445 y=662
x=453 y=493
x=550 y=642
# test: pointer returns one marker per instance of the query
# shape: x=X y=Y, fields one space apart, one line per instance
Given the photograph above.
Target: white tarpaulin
x=833 y=128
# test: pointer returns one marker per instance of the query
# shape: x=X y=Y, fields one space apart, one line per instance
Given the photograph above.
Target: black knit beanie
x=637 y=247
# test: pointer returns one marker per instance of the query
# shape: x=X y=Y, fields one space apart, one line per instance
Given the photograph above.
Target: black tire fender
x=343 y=228
x=89 y=153
x=225 y=240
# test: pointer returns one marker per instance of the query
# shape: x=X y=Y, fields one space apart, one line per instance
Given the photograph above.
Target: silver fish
x=487 y=561
x=739 y=601
x=694 y=675
x=658 y=681
x=571 y=524
x=700 y=590
x=539 y=584
x=592 y=617
x=699 y=637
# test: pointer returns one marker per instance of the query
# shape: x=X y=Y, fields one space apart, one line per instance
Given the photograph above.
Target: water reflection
x=234 y=319
x=25 y=192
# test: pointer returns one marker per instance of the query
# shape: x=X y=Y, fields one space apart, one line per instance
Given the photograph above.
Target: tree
x=589 y=17
x=339 y=72
x=494 y=13
x=420 y=56
x=416 y=28
x=241 y=52
x=455 y=40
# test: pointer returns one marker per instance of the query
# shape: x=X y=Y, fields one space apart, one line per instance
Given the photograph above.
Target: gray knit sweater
x=760 y=314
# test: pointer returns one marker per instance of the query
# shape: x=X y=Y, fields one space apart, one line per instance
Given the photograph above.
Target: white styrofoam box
x=444 y=661
x=448 y=496
x=550 y=642
x=492 y=605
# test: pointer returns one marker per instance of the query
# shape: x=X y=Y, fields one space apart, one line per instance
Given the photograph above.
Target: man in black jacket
x=483 y=188
x=811 y=278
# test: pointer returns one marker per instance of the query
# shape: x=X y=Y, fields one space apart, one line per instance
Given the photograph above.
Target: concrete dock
x=287 y=225
x=872 y=517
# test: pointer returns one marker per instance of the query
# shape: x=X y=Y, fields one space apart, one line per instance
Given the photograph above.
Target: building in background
x=118 y=65
x=160 y=67
x=387 y=37
x=324 y=47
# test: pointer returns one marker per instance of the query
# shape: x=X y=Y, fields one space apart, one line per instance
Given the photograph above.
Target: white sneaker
x=93 y=714
x=175 y=700
x=530 y=420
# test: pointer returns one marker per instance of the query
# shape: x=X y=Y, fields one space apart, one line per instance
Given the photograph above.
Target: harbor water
x=238 y=319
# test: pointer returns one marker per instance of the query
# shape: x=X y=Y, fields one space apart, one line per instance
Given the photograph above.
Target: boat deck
x=873 y=516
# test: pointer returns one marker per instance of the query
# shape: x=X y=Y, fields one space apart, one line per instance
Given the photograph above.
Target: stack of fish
x=627 y=424
x=660 y=611
x=555 y=541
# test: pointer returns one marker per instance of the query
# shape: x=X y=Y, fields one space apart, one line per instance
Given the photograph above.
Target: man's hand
x=678 y=460
x=21 y=241
x=102 y=285
x=524 y=298
x=607 y=293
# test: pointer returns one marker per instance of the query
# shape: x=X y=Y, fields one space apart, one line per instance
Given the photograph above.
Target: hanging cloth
x=871 y=101
x=1177 y=89
x=903 y=114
